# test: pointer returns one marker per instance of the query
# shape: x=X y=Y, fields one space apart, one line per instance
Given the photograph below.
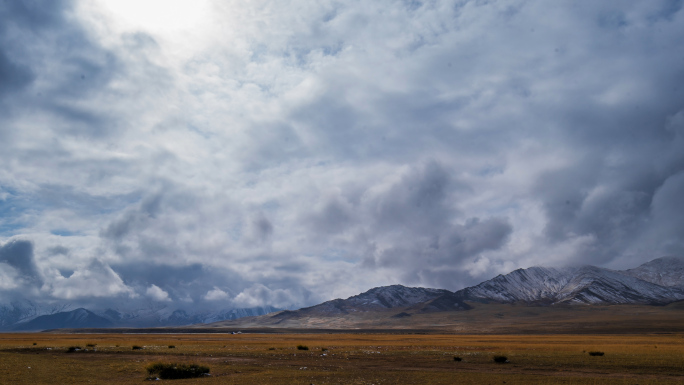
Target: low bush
x=500 y=359
x=172 y=371
x=271 y=348
x=35 y=343
x=90 y=345
x=172 y=346
x=302 y=347
x=136 y=347
x=458 y=359
x=73 y=349
x=596 y=353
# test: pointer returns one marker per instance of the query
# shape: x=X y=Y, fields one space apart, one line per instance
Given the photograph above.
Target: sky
x=246 y=153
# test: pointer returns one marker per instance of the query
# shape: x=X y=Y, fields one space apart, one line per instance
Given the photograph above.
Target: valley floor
x=42 y=358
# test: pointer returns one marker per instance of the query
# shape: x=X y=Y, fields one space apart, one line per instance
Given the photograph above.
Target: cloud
x=96 y=280
x=216 y=294
x=292 y=153
x=260 y=295
x=157 y=294
x=19 y=255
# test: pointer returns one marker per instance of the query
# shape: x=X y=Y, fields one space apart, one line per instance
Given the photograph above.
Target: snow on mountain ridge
x=377 y=298
x=527 y=285
x=665 y=271
x=583 y=285
x=394 y=296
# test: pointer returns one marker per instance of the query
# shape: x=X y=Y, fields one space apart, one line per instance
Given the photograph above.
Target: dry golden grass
x=348 y=358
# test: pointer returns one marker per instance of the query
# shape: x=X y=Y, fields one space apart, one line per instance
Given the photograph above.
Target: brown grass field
x=42 y=358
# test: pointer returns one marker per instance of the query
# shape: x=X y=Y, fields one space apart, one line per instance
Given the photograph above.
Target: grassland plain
x=42 y=358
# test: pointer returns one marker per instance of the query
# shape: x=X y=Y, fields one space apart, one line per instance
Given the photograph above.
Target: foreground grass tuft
x=500 y=359
x=172 y=371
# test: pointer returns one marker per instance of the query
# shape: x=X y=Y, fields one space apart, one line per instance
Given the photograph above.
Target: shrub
x=596 y=353
x=500 y=359
x=172 y=346
x=175 y=371
x=90 y=345
x=324 y=349
x=458 y=359
x=271 y=348
x=73 y=349
x=302 y=347
x=35 y=343
x=136 y=347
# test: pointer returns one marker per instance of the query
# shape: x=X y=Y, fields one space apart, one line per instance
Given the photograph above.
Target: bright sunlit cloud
x=157 y=16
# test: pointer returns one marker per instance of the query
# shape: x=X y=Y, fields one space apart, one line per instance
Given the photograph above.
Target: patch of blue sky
x=235 y=233
x=332 y=50
x=80 y=202
x=504 y=210
x=271 y=205
x=335 y=254
x=612 y=20
x=490 y=171
x=12 y=208
x=64 y=233
x=193 y=128
x=668 y=10
x=16 y=208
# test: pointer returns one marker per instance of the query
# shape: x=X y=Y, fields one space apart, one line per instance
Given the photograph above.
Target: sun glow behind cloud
x=181 y=28
x=157 y=16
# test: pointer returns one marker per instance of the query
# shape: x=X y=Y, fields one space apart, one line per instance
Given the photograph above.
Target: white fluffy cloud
x=216 y=294
x=259 y=295
x=95 y=280
x=157 y=294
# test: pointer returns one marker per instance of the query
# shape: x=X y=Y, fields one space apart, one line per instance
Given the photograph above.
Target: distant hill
x=31 y=316
x=379 y=299
x=79 y=318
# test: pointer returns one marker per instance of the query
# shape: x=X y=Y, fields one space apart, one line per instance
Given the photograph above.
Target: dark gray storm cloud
x=250 y=154
x=185 y=284
x=50 y=63
x=18 y=254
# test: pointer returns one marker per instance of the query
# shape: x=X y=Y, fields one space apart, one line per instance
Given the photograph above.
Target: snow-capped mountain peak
x=393 y=296
x=583 y=285
x=666 y=271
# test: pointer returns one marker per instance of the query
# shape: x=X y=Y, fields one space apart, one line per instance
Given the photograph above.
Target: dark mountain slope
x=79 y=318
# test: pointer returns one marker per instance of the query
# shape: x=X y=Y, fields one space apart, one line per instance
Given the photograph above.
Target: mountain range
x=656 y=283
x=27 y=315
